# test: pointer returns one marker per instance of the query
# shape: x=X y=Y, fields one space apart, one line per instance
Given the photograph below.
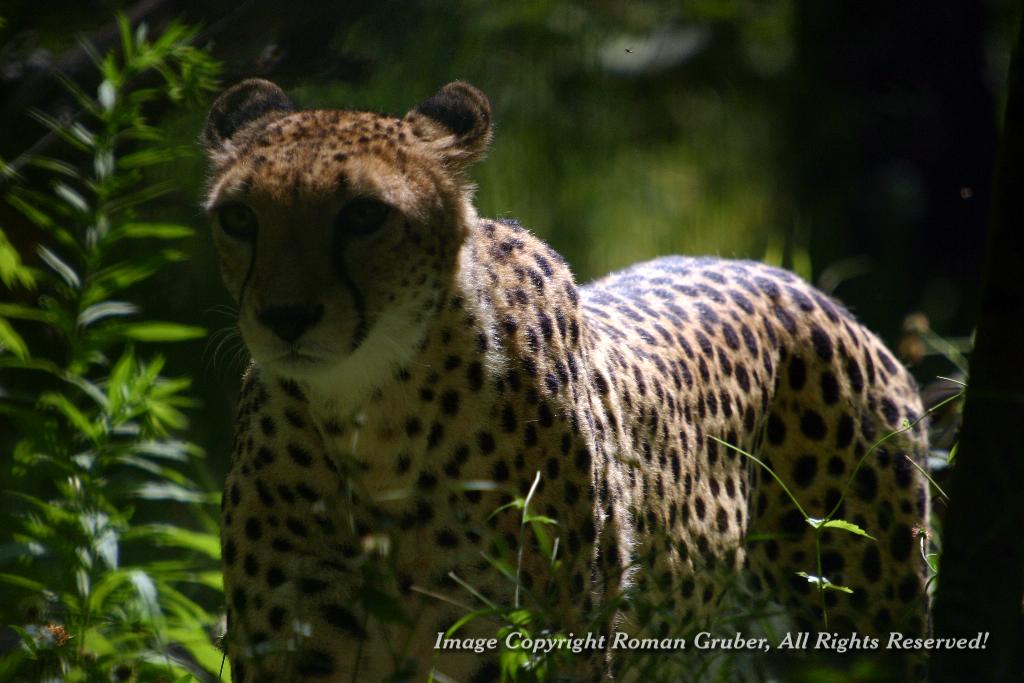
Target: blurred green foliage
x=101 y=579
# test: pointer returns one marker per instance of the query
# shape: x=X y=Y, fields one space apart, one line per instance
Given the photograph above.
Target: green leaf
x=56 y=166
x=539 y=519
x=107 y=95
x=141 y=196
x=21 y=312
x=107 y=309
x=146 y=589
x=34 y=214
x=169 y=491
x=88 y=388
x=106 y=586
x=103 y=163
x=69 y=410
x=72 y=197
x=823 y=583
x=838 y=524
x=15 y=661
x=847 y=526
x=124 y=29
x=76 y=134
x=66 y=272
x=12 y=341
x=12 y=270
x=54 y=514
x=127 y=273
x=177 y=537
x=543 y=538
x=150 y=156
x=85 y=137
x=22 y=582
x=466 y=618
x=104 y=534
x=160 y=331
x=20 y=550
x=166 y=231
x=84 y=101
x=171 y=450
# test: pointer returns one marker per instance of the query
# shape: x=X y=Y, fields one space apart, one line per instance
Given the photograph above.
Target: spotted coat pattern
x=359 y=513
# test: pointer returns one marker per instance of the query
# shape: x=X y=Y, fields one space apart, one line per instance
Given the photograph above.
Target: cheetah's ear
x=455 y=122
x=253 y=100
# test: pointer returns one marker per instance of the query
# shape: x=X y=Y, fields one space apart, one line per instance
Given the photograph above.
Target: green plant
x=102 y=579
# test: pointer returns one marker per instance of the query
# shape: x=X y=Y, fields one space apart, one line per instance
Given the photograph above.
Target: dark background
x=850 y=141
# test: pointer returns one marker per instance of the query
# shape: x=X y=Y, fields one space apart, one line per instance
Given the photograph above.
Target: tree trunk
x=981 y=580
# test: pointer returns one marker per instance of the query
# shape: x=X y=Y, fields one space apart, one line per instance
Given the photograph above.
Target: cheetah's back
x=689 y=353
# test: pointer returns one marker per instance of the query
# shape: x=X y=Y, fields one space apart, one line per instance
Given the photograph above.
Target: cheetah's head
x=338 y=231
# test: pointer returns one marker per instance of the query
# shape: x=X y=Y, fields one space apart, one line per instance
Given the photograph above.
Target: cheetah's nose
x=289 y=322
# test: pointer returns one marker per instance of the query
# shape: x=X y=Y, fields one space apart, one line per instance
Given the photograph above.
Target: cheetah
x=436 y=419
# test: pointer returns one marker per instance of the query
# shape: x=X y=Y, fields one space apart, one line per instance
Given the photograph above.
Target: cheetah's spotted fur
x=405 y=351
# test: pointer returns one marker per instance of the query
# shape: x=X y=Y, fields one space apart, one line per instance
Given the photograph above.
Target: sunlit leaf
x=65 y=407
x=156 y=230
x=12 y=341
x=66 y=272
x=107 y=95
x=838 y=524
x=124 y=30
x=33 y=213
x=103 y=163
x=177 y=537
x=107 y=309
x=12 y=270
x=84 y=101
x=57 y=166
x=824 y=583
x=172 y=450
x=54 y=514
x=88 y=388
x=204 y=652
x=140 y=196
x=21 y=312
x=169 y=491
x=104 y=535
x=107 y=586
x=70 y=195
x=82 y=134
x=847 y=526
x=18 y=551
x=149 y=157
x=543 y=538
x=160 y=331
x=75 y=134
x=22 y=582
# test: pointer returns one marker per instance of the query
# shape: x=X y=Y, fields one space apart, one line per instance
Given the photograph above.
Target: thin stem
x=770 y=471
x=863 y=458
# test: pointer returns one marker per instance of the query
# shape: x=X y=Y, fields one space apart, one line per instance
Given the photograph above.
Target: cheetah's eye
x=362 y=216
x=238 y=221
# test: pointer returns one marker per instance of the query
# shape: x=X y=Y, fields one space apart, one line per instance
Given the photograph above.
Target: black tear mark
x=247 y=278
x=358 y=301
